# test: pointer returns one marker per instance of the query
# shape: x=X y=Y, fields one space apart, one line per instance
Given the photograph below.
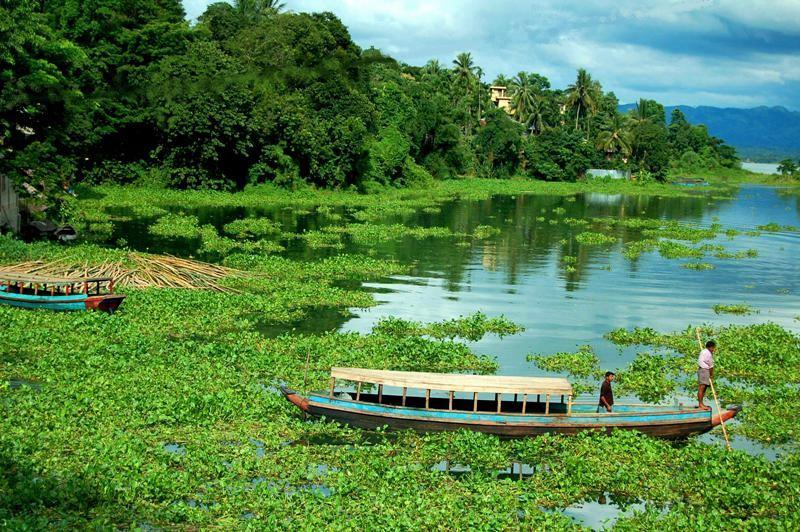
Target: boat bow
x=719 y=418
x=293 y=397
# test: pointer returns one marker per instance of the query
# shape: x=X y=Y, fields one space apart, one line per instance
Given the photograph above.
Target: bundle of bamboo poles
x=137 y=270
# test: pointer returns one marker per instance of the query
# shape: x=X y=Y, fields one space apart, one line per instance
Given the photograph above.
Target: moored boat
x=456 y=401
x=59 y=293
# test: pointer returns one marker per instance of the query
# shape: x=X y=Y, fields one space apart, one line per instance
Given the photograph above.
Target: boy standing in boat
x=606 y=393
x=705 y=372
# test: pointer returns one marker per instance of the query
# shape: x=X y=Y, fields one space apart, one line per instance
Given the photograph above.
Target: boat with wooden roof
x=503 y=405
x=59 y=293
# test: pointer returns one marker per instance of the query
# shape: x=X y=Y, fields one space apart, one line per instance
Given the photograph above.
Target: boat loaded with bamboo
x=507 y=406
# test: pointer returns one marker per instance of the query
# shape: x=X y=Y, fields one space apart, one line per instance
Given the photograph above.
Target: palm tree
x=523 y=96
x=642 y=112
x=501 y=81
x=582 y=96
x=614 y=137
x=464 y=68
x=433 y=67
x=535 y=121
x=255 y=11
x=478 y=80
x=464 y=78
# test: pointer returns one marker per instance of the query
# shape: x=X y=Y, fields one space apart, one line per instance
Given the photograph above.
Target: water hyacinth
x=166 y=414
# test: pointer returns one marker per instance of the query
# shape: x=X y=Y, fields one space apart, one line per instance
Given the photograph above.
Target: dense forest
x=128 y=91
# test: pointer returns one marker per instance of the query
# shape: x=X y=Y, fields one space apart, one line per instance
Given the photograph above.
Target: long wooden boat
x=59 y=293
x=519 y=407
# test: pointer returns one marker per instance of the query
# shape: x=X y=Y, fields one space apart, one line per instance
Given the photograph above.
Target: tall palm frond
x=523 y=96
x=255 y=11
x=582 y=96
x=614 y=137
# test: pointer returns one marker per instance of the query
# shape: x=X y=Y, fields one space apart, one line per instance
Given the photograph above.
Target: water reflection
x=521 y=273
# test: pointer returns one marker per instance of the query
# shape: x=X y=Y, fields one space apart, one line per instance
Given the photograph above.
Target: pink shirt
x=705 y=360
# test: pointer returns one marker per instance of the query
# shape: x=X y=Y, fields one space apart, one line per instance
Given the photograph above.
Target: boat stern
x=722 y=417
x=106 y=303
x=293 y=397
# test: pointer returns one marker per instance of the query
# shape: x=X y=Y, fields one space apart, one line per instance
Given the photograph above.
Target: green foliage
x=592 y=238
x=472 y=328
x=175 y=226
x=740 y=309
x=252 y=227
x=581 y=363
x=113 y=91
x=787 y=167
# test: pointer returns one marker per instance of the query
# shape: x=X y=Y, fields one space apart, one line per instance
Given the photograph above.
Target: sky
x=726 y=53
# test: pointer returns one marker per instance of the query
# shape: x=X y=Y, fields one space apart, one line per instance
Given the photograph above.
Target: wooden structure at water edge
x=9 y=206
x=515 y=406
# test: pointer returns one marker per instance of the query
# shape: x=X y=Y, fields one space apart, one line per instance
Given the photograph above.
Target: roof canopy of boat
x=38 y=279
x=453 y=382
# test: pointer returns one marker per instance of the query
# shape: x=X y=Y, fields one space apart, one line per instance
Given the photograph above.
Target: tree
x=558 y=154
x=501 y=81
x=464 y=69
x=787 y=167
x=535 y=123
x=255 y=11
x=523 y=96
x=433 y=68
x=204 y=109
x=222 y=20
x=498 y=145
x=649 y=147
x=614 y=138
x=582 y=96
x=42 y=108
x=647 y=111
x=463 y=81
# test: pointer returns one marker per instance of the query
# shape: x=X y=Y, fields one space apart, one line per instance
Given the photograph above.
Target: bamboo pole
x=714 y=393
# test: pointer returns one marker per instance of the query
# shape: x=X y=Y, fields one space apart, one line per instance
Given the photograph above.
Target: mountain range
x=759 y=134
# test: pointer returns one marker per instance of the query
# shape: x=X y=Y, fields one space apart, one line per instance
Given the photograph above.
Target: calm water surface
x=520 y=274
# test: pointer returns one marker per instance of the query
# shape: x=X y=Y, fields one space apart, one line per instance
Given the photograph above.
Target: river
x=519 y=274
x=761 y=168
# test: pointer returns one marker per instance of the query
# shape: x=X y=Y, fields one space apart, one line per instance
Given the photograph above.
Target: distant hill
x=761 y=134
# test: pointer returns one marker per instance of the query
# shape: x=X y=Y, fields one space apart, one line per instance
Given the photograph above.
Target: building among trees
x=500 y=98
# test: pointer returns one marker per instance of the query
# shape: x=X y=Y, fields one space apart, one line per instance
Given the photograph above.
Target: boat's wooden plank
x=41 y=279
x=456 y=382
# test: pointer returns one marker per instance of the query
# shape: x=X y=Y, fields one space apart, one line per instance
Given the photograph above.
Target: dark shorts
x=703 y=376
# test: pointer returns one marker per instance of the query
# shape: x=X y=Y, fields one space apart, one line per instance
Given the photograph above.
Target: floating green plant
x=591 y=238
x=175 y=226
x=740 y=309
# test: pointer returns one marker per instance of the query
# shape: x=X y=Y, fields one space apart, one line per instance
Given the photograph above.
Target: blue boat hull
x=663 y=422
x=71 y=302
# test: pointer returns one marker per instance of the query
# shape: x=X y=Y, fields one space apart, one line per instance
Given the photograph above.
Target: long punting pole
x=714 y=393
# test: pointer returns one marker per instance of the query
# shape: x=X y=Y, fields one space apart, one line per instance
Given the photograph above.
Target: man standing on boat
x=606 y=393
x=705 y=372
